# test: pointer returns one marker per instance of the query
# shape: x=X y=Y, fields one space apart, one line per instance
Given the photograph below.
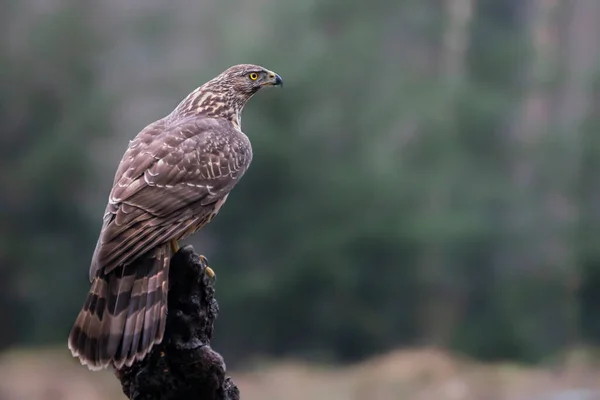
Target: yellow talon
x=208 y=270
x=174 y=246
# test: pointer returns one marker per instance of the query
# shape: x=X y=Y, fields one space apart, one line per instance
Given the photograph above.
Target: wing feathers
x=168 y=180
x=160 y=201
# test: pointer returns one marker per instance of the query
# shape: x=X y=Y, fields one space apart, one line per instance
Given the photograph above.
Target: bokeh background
x=420 y=221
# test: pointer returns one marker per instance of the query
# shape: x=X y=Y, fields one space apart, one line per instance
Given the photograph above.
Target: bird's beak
x=274 y=79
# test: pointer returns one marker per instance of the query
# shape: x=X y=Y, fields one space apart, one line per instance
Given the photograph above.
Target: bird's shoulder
x=182 y=151
x=208 y=135
x=193 y=133
x=211 y=148
x=205 y=143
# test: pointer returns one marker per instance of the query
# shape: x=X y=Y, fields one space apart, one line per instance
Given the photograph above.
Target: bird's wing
x=168 y=177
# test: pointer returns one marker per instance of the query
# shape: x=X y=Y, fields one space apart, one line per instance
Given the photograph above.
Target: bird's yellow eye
x=253 y=76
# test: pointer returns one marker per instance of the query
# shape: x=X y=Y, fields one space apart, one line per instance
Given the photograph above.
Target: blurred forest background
x=426 y=179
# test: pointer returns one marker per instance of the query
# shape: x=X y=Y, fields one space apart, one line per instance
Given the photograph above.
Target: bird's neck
x=210 y=102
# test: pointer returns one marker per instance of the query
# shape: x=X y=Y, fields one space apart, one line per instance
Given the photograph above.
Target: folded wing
x=170 y=177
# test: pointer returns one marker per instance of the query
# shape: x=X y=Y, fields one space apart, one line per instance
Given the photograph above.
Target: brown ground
x=424 y=374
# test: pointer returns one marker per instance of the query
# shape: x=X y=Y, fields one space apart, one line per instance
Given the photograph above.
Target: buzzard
x=172 y=180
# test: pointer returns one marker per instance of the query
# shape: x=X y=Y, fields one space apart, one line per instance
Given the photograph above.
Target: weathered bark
x=183 y=366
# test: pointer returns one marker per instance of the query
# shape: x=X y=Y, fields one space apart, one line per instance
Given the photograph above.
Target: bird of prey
x=172 y=180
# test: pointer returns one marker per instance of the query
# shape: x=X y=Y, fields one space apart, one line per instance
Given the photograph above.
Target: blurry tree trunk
x=581 y=53
x=455 y=43
x=441 y=304
x=532 y=124
x=534 y=117
x=526 y=256
x=546 y=148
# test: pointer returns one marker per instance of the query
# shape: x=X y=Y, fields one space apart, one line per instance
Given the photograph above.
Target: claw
x=208 y=270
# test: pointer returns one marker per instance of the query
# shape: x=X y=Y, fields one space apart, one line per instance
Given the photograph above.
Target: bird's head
x=226 y=95
x=244 y=80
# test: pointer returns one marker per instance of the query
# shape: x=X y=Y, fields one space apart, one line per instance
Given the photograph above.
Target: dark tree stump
x=183 y=366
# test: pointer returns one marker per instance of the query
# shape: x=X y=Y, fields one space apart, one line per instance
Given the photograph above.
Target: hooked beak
x=274 y=79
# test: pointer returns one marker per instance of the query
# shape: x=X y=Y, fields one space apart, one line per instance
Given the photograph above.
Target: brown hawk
x=172 y=180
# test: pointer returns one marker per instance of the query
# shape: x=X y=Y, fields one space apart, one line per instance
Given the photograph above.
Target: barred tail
x=125 y=313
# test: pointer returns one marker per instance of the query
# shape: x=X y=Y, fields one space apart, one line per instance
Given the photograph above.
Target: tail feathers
x=125 y=313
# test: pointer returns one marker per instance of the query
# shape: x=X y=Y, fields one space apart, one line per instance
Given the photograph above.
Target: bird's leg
x=174 y=245
x=209 y=271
